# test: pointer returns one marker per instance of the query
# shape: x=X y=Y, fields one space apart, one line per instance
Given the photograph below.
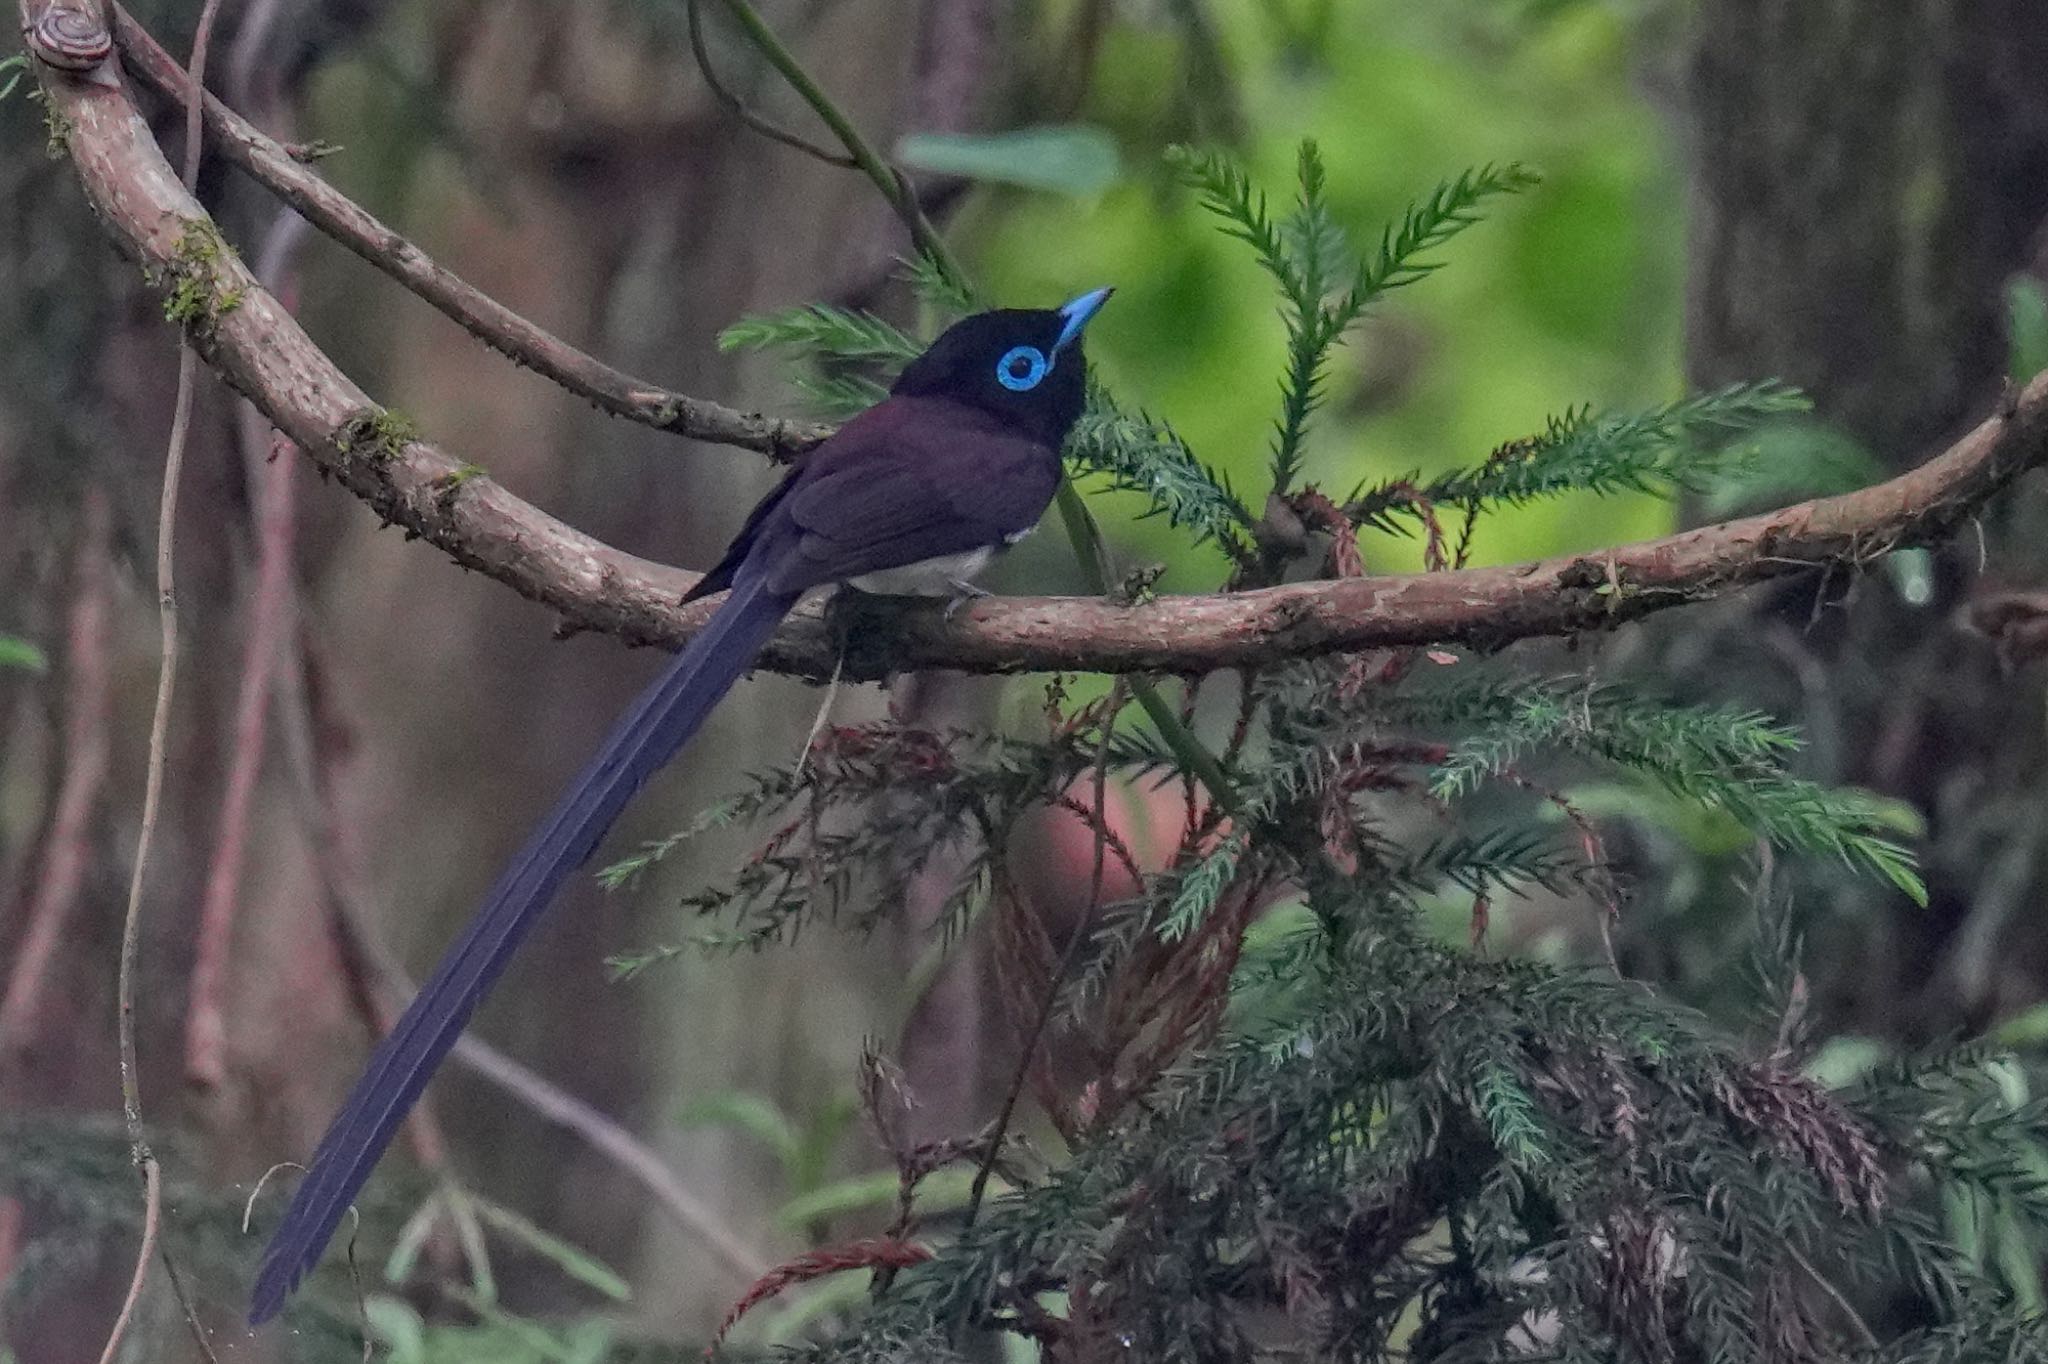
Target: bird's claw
x=964 y=594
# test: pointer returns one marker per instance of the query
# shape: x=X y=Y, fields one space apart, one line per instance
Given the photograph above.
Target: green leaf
x=1846 y=1059
x=928 y=279
x=1791 y=461
x=505 y=1338
x=1137 y=454
x=1429 y=224
x=572 y=1260
x=19 y=653
x=469 y=1230
x=1075 y=159
x=830 y=338
x=752 y=1114
x=876 y=1190
x=940 y=1191
x=2027 y=1028
x=394 y=1322
x=2026 y=306
x=832 y=1296
x=818 y=1139
x=1510 y=1113
x=411 y=1241
x=837 y=397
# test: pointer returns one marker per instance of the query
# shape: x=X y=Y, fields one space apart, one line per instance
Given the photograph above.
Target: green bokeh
x=1568 y=295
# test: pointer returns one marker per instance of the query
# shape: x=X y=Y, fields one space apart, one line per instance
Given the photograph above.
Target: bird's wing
x=907 y=481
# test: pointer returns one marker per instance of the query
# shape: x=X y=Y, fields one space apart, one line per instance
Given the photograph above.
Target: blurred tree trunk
x=1867 y=179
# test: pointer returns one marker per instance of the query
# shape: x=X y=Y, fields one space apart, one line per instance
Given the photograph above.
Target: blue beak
x=1077 y=314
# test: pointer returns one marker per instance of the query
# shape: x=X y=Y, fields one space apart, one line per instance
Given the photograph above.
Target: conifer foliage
x=1299 y=1121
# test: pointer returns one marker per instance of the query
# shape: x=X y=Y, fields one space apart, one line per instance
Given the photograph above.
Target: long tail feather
x=649 y=734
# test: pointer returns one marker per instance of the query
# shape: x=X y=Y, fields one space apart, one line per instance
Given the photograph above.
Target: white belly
x=940 y=577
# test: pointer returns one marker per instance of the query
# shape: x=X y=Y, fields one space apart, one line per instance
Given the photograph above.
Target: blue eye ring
x=1036 y=366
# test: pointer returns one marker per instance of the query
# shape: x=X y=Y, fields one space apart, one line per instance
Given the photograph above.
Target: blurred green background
x=1570 y=294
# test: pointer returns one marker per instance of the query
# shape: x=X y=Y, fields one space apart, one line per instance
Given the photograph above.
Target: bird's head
x=1021 y=364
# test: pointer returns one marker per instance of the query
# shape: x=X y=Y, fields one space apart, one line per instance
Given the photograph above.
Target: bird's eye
x=1021 y=369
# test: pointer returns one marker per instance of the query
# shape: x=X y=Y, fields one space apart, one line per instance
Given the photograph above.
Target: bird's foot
x=964 y=594
x=861 y=626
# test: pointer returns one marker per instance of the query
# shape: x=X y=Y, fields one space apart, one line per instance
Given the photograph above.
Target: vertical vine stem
x=893 y=184
x=153 y=783
x=1080 y=526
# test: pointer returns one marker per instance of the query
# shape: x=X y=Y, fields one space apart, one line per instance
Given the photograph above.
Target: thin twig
x=152 y=1204
x=610 y=390
x=1865 y=1338
x=159 y=730
x=202 y=39
x=188 y=1307
x=894 y=185
x=1096 y=820
x=152 y=800
x=621 y=1147
x=738 y=106
x=334 y=858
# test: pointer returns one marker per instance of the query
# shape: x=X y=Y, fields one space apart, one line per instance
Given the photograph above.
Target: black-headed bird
x=912 y=497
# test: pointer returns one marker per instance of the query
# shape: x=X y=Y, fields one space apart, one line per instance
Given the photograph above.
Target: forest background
x=1729 y=191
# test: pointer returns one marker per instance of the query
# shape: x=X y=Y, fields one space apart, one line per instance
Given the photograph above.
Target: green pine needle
x=1202 y=886
x=1307 y=252
x=820 y=330
x=837 y=397
x=1452 y=208
x=1683 y=446
x=1510 y=1115
x=1137 y=454
x=936 y=287
x=1725 y=759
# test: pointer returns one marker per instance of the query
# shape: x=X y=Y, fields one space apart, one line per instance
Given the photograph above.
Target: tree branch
x=263 y=352
x=272 y=165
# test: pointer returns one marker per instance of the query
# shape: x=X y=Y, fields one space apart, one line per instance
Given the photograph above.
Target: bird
x=911 y=497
